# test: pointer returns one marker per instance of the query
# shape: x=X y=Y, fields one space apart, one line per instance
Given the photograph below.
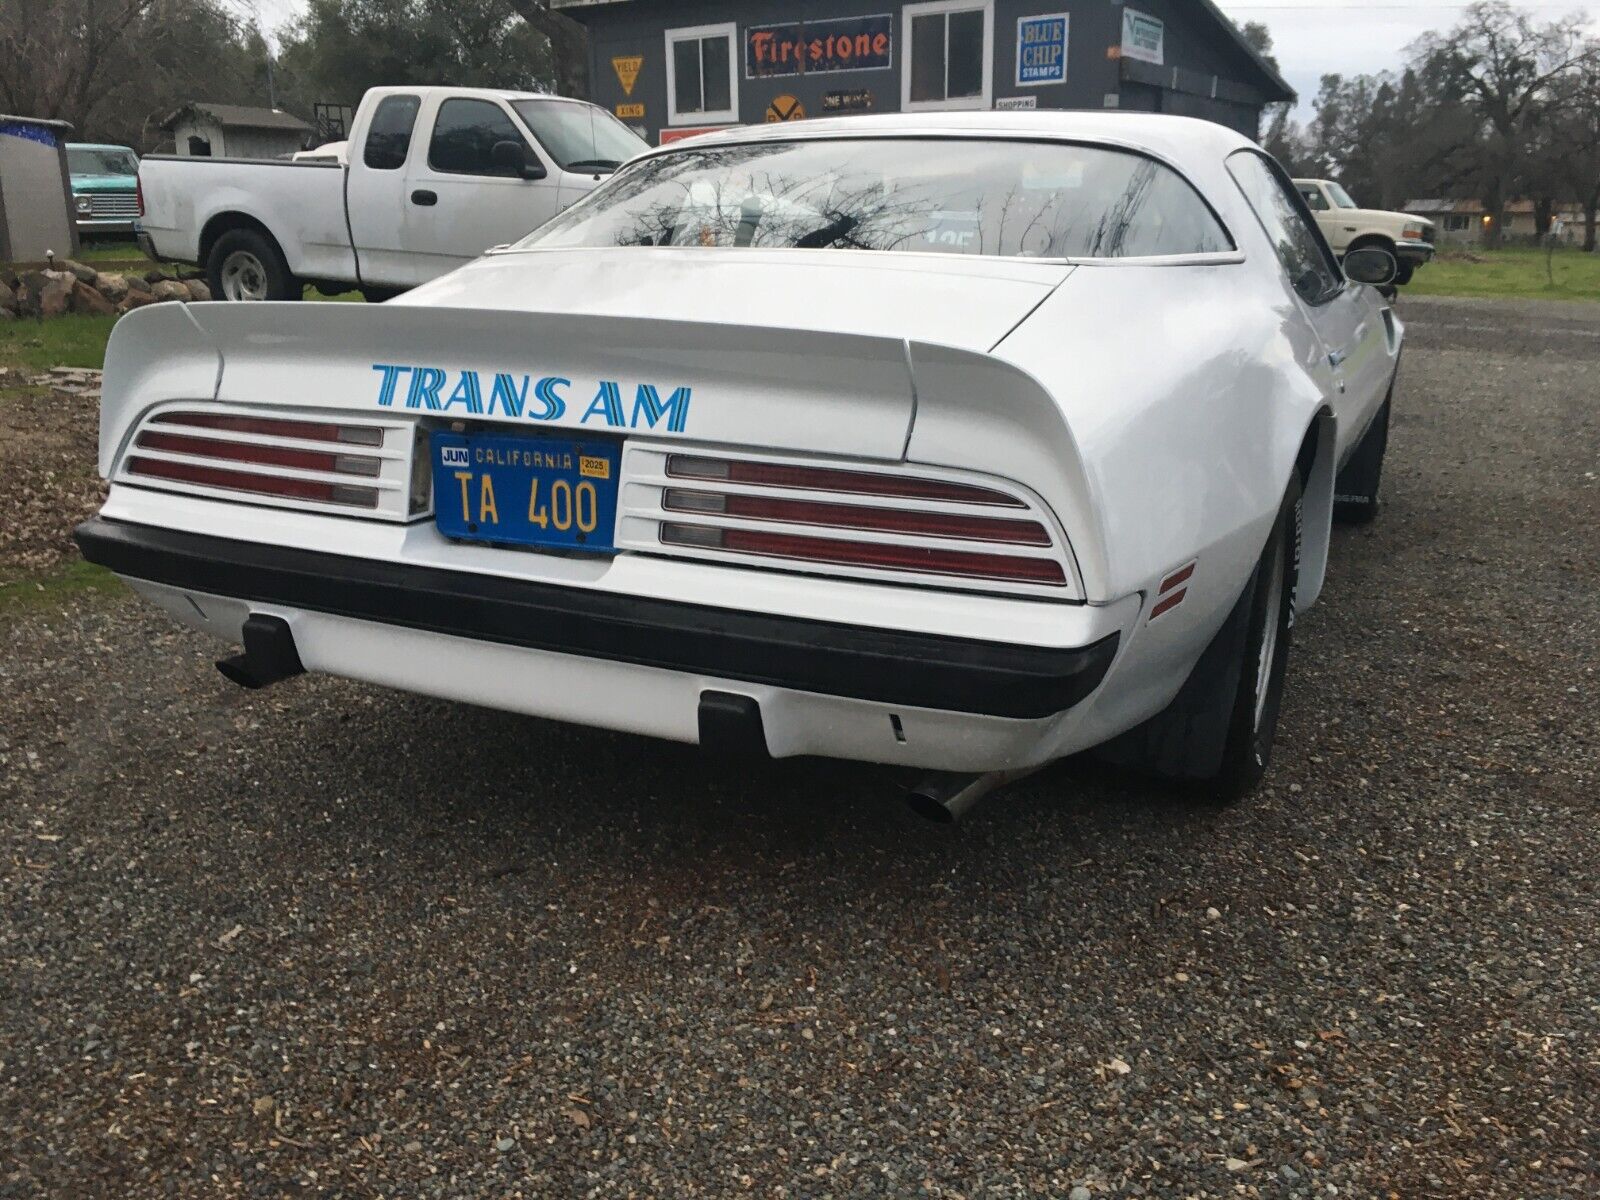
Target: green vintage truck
x=105 y=188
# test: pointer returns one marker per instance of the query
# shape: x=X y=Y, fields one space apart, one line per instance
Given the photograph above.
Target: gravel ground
x=328 y=940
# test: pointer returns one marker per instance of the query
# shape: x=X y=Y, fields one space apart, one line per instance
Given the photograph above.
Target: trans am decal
x=525 y=398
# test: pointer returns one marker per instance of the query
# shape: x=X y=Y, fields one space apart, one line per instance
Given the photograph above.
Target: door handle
x=424 y=197
x=1336 y=358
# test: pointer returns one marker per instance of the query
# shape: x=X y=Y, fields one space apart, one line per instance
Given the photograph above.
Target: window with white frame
x=702 y=88
x=949 y=58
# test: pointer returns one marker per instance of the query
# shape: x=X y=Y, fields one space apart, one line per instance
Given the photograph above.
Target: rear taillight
x=138 y=196
x=923 y=559
x=877 y=523
x=296 y=460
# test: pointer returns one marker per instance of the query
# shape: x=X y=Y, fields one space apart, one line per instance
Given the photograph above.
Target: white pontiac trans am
x=962 y=441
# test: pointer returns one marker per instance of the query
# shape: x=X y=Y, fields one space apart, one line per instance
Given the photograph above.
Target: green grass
x=1513 y=273
x=75 y=580
x=58 y=342
x=115 y=256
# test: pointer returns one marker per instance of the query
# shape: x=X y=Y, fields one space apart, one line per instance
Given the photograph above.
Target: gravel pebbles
x=328 y=940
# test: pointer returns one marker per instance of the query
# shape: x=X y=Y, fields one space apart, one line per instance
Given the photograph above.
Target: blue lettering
x=467 y=393
x=647 y=401
x=506 y=395
x=554 y=403
x=607 y=402
x=425 y=385
x=386 y=387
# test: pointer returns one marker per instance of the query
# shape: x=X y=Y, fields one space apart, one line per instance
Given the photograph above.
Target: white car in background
x=964 y=441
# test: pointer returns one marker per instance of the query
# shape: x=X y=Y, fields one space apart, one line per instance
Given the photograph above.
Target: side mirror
x=511 y=158
x=1371 y=265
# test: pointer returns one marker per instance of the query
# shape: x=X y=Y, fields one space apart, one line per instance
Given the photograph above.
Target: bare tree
x=60 y=58
x=1575 y=140
x=1507 y=68
x=569 y=44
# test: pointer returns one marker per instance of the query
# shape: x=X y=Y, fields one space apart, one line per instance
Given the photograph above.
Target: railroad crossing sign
x=785 y=108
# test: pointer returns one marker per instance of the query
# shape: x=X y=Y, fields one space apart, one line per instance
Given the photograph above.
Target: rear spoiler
x=835 y=394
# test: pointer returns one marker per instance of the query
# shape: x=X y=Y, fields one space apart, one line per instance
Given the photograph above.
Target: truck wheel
x=247 y=265
x=1403 y=273
x=1355 y=491
x=1216 y=736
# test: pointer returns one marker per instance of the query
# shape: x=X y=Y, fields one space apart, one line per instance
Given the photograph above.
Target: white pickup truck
x=434 y=177
x=1347 y=226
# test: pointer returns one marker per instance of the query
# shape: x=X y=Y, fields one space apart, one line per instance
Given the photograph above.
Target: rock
x=505 y=1144
x=137 y=283
x=7 y=315
x=197 y=289
x=112 y=286
x=135 y=300
x=8 y=298
x=1080 y=1193
x=154 y=276
x=55 y=296
x=88 y=301
x=264 y=1106
x=169 y=289
x=84 y=272
x=1290 y=1175
x=1236 y=1164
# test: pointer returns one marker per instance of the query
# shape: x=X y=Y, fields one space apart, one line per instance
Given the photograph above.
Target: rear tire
x=1403 y=274
x=1217 y=734
x=1355 y=491
x=246 y=264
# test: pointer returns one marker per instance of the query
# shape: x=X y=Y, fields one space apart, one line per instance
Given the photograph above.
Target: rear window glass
x=950 y=196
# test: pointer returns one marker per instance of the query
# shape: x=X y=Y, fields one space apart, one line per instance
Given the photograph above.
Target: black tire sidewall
x=281 y=285
x=1248 y=749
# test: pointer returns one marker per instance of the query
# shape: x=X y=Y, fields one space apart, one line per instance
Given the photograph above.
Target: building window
x=950 y=54
x=1456 y=222
x=701 y=86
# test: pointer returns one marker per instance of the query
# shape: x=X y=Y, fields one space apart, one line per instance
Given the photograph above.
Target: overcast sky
x=1311 y=38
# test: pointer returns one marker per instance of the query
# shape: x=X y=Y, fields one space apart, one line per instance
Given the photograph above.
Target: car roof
x=98 y=146
x=468 y=93
x=1181 y=140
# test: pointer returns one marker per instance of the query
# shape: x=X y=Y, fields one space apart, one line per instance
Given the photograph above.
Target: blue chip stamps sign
x=1041 y=50
x=817 y=47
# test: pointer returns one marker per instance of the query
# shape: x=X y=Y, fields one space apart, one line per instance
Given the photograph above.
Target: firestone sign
x=819 y=47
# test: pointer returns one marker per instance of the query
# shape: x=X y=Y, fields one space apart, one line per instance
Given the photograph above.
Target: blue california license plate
x=526 y=491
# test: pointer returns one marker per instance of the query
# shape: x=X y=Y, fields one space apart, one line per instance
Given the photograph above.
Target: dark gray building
x=670 y=66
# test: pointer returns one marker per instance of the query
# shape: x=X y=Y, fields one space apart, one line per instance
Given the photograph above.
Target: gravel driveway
x=328 y=940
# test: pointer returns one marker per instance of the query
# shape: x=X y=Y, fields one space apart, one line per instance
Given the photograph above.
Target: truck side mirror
x=511 y=158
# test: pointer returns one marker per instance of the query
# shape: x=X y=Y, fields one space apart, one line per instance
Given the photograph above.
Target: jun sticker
x=606 y=403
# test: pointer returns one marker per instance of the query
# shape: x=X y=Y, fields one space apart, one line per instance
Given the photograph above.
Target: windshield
x=1007 y=198
x=1340 y=196
x=83 y=160
x=580 y=137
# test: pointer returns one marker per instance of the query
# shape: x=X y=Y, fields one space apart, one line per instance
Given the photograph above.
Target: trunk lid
x=954 y=300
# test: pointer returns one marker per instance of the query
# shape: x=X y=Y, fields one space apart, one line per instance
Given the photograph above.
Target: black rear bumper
x=887 y=666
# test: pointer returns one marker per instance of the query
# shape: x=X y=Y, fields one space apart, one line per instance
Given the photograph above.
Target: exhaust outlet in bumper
x=269 y=654
x=946 y=798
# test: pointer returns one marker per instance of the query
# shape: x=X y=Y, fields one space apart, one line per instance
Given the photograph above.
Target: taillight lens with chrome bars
x=876 y=520
x=341 y=464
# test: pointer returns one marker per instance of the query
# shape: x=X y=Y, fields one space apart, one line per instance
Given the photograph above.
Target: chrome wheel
x=244 y=277
x=1269 y=635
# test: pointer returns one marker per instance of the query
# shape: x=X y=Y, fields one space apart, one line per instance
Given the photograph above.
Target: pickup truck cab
x=434 y=177
x=1347 y=226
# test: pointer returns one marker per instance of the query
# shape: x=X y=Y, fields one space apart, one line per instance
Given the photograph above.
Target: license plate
x=526 y=491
